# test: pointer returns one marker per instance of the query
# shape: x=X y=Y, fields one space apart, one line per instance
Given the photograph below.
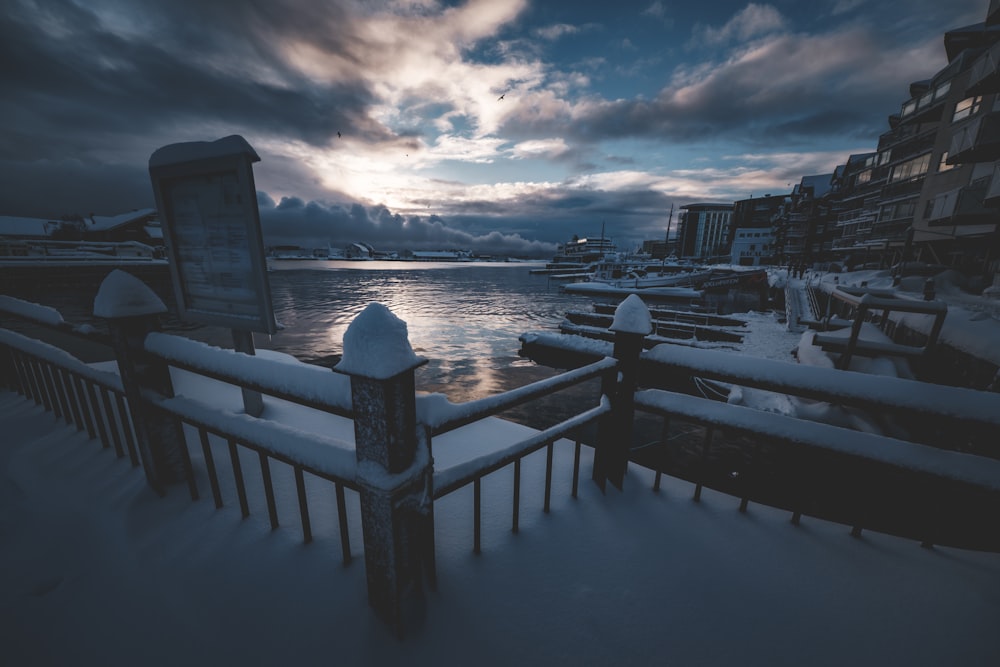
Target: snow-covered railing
x=83 y=396
x=440 y=416
x=282 y=378
x=301 y=383
x=932 y=475
x=863 y=303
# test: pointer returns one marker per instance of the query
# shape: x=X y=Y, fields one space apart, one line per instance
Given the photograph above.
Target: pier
x=376 y=472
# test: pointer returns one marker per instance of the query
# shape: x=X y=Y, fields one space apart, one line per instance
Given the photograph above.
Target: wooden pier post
x=132 y=311
x=631 y=325
x=394 y=466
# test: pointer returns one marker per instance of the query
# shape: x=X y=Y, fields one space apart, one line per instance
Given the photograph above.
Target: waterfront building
x=140 y=225
x=959 y=206
x=803 y=228
x=857 y=187
x=703 y=231
x=751 y=235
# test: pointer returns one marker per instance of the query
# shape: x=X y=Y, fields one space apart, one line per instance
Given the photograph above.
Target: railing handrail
x=457 y=415
x=831 y=385
x=458 y=476
x=968 y=468
x=48 y=317
x=323 y=456
x=312 y=386
x=60 y=357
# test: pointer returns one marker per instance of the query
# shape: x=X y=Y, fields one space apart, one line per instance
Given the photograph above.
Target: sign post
x=207 y=201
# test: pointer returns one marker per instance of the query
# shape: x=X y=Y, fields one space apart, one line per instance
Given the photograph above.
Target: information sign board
x=207 y=202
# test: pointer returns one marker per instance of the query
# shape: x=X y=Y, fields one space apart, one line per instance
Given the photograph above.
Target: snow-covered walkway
x=95 y=569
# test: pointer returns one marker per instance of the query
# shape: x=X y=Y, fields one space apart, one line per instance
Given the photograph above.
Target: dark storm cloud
x=292 y=221
x=83 y=82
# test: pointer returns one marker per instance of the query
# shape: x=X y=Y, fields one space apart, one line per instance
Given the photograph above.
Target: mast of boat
x=666 y=240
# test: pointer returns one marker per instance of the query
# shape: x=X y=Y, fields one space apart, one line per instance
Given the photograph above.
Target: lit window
x=911 y=168
x=967 y=107
x=943 y=164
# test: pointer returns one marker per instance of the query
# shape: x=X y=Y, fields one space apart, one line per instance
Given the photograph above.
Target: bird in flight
x=501 y=97
x=338 y=135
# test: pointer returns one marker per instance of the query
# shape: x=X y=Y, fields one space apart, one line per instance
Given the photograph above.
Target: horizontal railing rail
x=954 y=404
x=454 y=416
x=457 y=415
x=305 y=384
x=966 y=474
x=91 y=399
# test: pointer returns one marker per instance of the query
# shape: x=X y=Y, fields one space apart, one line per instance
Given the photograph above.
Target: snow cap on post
x=377 y=346
x=123 y=295
x=632 y=316
x=193 y=151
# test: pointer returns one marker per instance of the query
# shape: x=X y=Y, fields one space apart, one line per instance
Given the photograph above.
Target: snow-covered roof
x=15 y=226
x=101 y=223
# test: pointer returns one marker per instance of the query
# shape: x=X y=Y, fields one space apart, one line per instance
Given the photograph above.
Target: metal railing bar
x=517 y=496
x=112 y=425
x=576 y=467
x=102 y=431
x=476 y=513
x=241 y=489
x=466 y=413
x=265 y=473
x=300 y=487
x=74 y=402
x=548 y=477
x=125 y=419
x=345 y=537
x=213 y=476
x=469 y=471
x=81 y=396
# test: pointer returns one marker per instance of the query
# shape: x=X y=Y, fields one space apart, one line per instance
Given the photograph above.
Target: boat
x=578 y=255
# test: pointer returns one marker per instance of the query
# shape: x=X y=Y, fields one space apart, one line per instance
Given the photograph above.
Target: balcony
x=964 y=206
x=902 y=189
x=984 y=76
x=927 y=108
x=992 y=197
x=977 y=141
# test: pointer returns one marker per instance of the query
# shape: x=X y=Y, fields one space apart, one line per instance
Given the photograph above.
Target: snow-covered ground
x=95 y=569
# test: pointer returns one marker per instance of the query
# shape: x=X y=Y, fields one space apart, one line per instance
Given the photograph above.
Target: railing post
x=132 y=311
x=394 y=466
x=631 y=325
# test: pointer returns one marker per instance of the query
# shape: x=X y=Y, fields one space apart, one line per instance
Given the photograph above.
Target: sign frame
x=207 y=201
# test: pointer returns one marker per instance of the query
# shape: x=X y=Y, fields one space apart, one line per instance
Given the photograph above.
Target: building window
x=967 y=107
x=910 y=169
x=943 y=164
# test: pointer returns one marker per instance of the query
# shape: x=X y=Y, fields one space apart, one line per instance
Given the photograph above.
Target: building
x=139 y=225
x=751 y=233
x=803 y=225
x=703 y=232
x=856 y=190
x=959 y=207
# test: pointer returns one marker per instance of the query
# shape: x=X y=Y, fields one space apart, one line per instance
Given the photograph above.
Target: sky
x=502 y=126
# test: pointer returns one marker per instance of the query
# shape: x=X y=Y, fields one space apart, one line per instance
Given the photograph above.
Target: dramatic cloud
x=464 y=123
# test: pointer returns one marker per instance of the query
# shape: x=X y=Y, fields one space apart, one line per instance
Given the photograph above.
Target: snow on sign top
x=193 y=151
x=632 y=316
x=123 y=295
x=377 y=346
